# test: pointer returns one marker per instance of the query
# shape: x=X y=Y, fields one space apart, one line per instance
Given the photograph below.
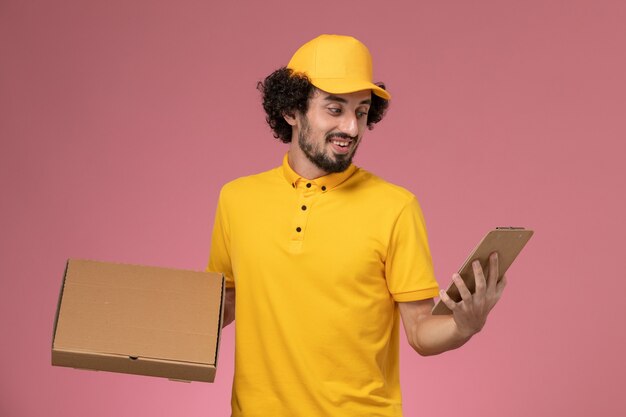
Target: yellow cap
x=337 y=64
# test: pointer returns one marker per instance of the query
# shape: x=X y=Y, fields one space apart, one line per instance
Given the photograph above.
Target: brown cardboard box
x=139 y=320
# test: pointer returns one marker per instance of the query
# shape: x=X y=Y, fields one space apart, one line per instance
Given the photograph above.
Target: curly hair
x=285 y=92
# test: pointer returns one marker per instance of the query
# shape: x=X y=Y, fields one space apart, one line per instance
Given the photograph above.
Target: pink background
x=120 y=120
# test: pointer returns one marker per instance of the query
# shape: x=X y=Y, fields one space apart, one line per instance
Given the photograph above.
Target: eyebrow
x=332 y=97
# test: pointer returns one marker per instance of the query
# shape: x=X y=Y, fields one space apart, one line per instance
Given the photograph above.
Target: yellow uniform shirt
x=318 y=266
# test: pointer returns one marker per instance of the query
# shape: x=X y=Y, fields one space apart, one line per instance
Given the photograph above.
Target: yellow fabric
x=317 y=325
x=337 y=64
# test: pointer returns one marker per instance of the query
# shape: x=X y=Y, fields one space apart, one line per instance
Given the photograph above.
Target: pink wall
x=120 y=120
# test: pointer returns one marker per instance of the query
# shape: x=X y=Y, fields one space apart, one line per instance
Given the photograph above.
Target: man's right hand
x=229 y=307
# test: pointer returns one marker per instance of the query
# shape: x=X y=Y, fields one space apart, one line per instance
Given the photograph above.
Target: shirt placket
x=307 y=193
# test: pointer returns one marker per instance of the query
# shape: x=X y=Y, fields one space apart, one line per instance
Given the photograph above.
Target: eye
x=335 y=110
x=361 y=113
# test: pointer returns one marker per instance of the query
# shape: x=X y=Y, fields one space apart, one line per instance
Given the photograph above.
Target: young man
x=325 y=258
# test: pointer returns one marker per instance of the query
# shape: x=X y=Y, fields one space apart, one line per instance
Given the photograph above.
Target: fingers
x=488 y=291
x=494 y=270
x=500 y=287
x=479 y=278
x=447 y=300
x=466 y=295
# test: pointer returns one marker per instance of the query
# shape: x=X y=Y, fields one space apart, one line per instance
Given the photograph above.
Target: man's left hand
x=470 y=314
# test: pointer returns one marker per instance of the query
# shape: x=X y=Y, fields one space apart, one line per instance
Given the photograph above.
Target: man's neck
x=301 y=164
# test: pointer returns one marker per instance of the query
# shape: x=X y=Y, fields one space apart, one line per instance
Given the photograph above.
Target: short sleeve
x=219 y=258
x=408 y=266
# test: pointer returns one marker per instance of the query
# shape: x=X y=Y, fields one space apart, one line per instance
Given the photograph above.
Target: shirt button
x=298 y=229
x=308 y=185
x=323 y=188
x=303 y=208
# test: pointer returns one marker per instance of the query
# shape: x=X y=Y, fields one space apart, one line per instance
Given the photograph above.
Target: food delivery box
x=139 y=320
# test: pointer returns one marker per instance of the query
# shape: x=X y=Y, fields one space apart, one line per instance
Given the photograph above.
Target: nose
x=349 y=124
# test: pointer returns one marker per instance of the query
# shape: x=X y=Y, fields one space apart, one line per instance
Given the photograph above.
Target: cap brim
x=342 y=86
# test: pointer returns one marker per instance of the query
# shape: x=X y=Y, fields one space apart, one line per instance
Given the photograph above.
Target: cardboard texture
x=139 y=320
x=507 y=241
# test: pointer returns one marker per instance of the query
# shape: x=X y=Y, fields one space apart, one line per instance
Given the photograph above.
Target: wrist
x=464 y=333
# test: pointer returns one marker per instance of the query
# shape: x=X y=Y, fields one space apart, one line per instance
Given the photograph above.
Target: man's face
x=330 y=132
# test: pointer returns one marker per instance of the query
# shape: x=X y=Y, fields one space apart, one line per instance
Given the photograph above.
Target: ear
x=290 y=118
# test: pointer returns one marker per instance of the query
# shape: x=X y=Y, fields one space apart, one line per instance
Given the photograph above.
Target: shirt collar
x=325 y=183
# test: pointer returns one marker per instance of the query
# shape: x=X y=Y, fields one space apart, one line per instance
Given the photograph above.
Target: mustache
x=341 y=135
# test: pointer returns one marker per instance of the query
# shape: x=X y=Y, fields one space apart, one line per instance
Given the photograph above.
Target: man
x=325 y=258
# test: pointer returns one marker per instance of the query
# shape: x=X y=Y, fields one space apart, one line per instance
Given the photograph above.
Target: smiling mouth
x=342 y=143
x=340 y=146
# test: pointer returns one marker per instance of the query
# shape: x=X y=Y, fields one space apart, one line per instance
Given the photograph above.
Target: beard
x=319 y=157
